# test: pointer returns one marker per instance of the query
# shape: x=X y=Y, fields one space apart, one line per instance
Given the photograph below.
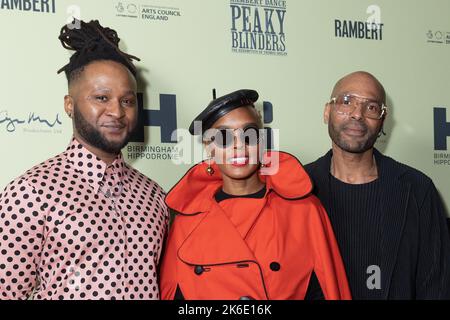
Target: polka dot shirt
x=76 y=228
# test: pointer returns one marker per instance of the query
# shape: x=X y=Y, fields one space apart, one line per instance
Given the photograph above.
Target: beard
x=353 y=145
x=95 y=138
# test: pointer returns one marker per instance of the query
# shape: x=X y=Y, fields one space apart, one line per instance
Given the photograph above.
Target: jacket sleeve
x=328 y=264
x=433 y=270
x=22 y=233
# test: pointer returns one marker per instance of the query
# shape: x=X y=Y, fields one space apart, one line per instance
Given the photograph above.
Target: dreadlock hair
x=92 y=42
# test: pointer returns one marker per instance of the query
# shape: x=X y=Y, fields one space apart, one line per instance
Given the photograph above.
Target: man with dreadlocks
x=85 y=225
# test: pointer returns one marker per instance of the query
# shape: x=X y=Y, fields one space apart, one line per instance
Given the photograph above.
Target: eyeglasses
x=346 y=104
x=224 y=138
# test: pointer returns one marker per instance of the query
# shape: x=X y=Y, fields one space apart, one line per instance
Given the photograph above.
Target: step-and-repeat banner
x=290 y=51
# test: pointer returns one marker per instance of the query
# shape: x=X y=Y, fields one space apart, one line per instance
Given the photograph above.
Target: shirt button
x=199 y=270
x=275 y=266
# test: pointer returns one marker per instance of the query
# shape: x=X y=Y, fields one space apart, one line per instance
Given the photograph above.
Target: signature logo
x=13 y=123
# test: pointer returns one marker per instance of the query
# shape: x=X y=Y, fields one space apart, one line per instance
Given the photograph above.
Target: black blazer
x=415 y=239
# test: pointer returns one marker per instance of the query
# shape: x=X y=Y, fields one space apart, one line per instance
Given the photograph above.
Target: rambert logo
x=43 y=6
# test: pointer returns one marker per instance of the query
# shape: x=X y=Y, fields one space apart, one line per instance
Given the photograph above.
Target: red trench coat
x=208 y=259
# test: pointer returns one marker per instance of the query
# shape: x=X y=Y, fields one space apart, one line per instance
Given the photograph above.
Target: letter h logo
x=165 y=118
x=441 y=129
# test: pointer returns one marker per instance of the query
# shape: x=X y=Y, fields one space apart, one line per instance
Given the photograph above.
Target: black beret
x=219 y=107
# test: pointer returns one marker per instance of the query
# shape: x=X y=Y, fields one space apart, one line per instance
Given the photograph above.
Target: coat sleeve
x=22 y=233
x=433 y=270
x=328 y=264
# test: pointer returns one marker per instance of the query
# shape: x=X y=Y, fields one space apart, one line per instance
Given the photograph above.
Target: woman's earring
x=209 y=170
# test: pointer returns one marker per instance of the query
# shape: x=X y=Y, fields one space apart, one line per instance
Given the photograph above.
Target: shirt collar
x=92 y=168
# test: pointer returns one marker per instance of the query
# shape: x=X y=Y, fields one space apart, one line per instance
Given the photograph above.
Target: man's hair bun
x=91 y=41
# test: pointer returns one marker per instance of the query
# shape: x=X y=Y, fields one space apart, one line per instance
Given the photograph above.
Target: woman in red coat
x=247 y=226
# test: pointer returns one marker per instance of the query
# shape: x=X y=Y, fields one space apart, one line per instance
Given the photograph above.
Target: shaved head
x=353 y=82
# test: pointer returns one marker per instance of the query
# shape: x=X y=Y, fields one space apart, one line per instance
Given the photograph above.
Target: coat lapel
x=320 y=171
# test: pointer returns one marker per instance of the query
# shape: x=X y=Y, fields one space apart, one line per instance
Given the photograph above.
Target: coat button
x=275 y=266
x=199 y=270
x=246 y=298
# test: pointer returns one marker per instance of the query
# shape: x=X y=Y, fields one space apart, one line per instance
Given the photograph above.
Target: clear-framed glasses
x=347 y=103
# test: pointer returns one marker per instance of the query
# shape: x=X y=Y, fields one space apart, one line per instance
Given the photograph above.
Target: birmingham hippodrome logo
x=258 y=27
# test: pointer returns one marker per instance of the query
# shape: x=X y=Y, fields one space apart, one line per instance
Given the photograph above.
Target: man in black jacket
x=387 y=217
